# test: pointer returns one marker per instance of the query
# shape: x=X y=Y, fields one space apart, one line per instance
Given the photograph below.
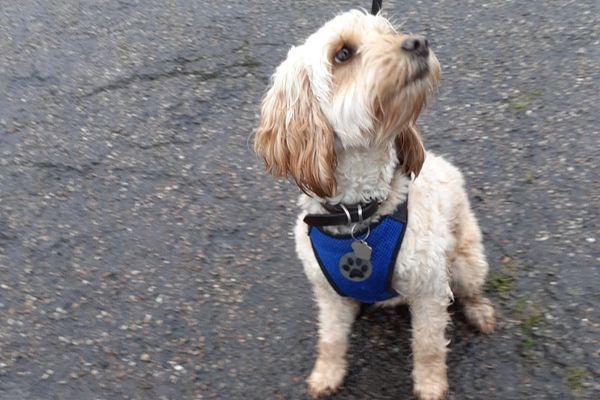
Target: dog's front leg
x=429 y=346
x=336 y=315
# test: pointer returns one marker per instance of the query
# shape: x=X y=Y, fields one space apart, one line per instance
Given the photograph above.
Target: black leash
x=376 y=7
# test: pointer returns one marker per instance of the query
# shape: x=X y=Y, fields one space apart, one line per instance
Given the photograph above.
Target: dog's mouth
x=421 y=72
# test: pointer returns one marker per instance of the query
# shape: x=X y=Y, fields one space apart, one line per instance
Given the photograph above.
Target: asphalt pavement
x=145 y=254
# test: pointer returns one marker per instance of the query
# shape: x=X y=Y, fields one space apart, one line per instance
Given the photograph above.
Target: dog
x=339 y=118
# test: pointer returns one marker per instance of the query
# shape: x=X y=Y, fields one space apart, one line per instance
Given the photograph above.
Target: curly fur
x=345 y=132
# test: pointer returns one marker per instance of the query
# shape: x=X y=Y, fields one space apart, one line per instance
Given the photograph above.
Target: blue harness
x=367 y=281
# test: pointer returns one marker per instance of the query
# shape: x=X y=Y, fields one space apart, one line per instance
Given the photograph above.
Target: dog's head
x=354 y=82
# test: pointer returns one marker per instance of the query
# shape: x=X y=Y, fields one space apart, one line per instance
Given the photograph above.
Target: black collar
x=338 y=216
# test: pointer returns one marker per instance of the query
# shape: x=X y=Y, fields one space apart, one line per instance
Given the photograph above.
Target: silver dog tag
x=362 y=249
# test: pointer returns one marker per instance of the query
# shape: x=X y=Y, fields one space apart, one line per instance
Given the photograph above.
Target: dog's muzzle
x=417 y=47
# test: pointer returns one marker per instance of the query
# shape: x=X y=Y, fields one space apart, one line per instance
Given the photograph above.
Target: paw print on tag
x=355 y=268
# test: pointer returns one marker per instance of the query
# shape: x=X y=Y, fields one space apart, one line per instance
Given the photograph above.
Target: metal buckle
x=347 y=213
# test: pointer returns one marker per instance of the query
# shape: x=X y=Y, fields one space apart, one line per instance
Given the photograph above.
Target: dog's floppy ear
x=294 y=137
x=410 y=150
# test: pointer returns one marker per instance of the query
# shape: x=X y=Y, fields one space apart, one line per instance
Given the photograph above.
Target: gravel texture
x=144 y=253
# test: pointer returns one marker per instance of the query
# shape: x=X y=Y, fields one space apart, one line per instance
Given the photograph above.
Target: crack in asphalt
x=179 y=70
x=63 y=167
x=203 y=77
x=126 y=82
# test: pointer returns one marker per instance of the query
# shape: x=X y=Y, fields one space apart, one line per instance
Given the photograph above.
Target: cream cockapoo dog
x=339 y=119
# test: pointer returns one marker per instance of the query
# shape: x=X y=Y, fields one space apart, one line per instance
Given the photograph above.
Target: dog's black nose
x=417 y=45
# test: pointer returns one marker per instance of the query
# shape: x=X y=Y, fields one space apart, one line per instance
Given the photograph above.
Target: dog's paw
x=430 y=380
x=480 y=313
x=324 y=381
x=430 y=390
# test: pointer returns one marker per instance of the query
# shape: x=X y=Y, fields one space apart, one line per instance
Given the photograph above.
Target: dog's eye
x=343 y=55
